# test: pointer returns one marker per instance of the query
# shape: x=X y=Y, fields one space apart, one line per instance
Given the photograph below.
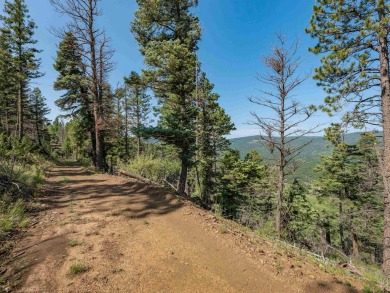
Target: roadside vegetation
x=341 y=214
x=22 y=168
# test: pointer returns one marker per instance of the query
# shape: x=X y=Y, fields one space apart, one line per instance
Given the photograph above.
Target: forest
x=165 y=124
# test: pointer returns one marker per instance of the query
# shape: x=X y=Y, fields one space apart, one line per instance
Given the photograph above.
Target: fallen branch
x=135 y=176
x=170 y=185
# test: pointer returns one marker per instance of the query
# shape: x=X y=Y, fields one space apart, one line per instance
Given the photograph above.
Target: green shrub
x=73 y=243
x=153 y=168
x=78 y=268
x=18 y=180
x=21 y=175
x=86 y=162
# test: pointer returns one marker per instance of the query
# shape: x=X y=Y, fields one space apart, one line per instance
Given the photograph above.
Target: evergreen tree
x=38 y=111
x=72 y=77
x=300 y=217
x=20 y=30
x=7 y=86
x=366 y=220
x=212 y=125
x=168 y=33
x=242 y=186
x=97 y=60
x=353 y=40
x=350 y=176
x=137 y=107
x=339 y=177
x=57 y=134
x=73 y=80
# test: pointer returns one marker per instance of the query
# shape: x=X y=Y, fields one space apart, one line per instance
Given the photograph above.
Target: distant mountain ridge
x=310 y=155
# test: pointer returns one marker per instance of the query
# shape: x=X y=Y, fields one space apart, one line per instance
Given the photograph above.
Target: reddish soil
x=134 y=237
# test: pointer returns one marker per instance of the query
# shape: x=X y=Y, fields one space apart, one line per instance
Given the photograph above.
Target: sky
x=235 y=34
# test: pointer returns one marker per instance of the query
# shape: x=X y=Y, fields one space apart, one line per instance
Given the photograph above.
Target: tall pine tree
x=353 y=38
x=168 y=33
x=137 y=107
x=212 y=125
x=19 y=27
x=7 y=86
x=72 y=79
x=349 y=178
x=97 y=57
x=38 y=111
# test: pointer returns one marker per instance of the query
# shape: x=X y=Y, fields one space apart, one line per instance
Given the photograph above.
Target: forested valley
x=165 y=126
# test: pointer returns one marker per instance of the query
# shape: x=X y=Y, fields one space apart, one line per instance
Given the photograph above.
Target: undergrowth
x=154 y=168
x=22 y=165
x=78 y=268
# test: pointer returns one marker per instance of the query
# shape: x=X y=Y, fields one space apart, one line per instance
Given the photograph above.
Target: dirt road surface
x=127 y=236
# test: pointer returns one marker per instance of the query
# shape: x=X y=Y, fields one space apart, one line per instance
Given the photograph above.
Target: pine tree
x=242 y=185
x=339 y=177
x=137 y=107
x=351 y=177
x=366 y=217
x=57 y=134
x=300 y=217
x=97 y=59
x=212 y=126
x=38 y=111
x=20 y=30
x=72 y=79
x=7 y=86
x=353 y=39
x=168 y=33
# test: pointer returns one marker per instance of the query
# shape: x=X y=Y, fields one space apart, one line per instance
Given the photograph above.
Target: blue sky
x=236 y=33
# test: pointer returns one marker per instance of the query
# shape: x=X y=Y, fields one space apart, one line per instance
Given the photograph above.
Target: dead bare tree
x=97 y=57
x=281 y=132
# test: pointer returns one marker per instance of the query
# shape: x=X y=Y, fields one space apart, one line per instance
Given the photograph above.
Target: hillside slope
x=130 y=237
x=309 y=157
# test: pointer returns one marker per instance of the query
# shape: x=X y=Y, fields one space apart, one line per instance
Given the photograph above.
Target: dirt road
x=127 y=236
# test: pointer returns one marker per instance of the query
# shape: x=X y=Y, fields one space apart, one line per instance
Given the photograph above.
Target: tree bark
x=100 y=158
x=139 y=145
x=385 y=94
x=327 y=232
x=355 y=244
x=181 y=187
x=97 y=93
x=126 y=128
x=93 y=145
x=20 y=111
x=279 y=202
x=38 y=134
x=341 y=227
x=282 y=153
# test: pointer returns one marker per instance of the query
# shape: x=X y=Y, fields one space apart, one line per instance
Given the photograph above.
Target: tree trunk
x=7 y=128
x=20 y=110
x=93 y=145
x=181 y=188
x=282 y=162
x=355 y=245
x=38 y=134
x=100 y=160
x=341 y=227
x=96 y=88
x=126 y=129
x=279 y=203
x=385 y=94
x=327 y=232
x=139 y=145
